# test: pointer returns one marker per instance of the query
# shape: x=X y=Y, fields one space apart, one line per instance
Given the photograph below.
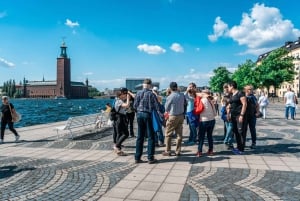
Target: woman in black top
x=6 y=109
x=238 y=105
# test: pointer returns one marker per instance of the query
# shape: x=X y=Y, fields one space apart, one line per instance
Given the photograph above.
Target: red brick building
x=62 y=87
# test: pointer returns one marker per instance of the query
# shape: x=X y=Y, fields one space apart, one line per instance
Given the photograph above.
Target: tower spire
x=63 y=49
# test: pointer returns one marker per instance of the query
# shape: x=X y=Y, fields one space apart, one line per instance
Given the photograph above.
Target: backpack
x=113 y=113
x=251 y=106
x=198 y=106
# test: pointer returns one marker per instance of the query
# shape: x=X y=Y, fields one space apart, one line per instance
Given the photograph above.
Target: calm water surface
x=41 y=111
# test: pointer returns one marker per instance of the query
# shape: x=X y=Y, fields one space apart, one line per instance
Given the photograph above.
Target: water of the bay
x=41 y=111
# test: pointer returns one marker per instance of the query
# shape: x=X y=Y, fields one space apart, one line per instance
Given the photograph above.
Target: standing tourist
x=7 y=109
x=225 y=116
x=252 y=111
x=238 y=105
x=192 y=119
x=290 y=103
x=263 y=102
x=145 y=101
x=159 y=136
x=175 y=107
x=130 y=113
x=207 y=123
x=227 y=94
x=121 y=123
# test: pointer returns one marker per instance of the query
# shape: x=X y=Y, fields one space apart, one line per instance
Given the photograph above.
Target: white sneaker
x=17 y=138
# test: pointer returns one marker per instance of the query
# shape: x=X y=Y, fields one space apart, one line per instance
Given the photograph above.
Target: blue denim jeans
x=193 y=132
x=289 y=109
x=229 y=134
x=206 y=127
x=145 y=128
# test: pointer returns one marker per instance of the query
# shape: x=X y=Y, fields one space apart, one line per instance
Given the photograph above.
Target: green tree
x=246 y=74
x=92 y=92
x=275 y=69
x=220 y=77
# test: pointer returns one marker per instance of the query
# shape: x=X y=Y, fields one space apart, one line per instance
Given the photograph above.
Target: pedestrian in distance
x=263 y=102
x=7 y=109
x=290 y=103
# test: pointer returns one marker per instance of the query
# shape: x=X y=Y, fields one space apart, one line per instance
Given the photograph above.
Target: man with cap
x=175 y=106
x=145 y=101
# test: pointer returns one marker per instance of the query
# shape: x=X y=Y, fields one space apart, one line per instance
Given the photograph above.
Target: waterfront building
x=293 y=48
x=62 y=87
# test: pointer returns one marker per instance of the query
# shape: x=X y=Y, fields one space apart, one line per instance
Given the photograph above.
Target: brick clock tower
x=63 y=79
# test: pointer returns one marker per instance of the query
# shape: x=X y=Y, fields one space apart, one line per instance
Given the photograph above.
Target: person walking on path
x=263 y=102
x=145 y=102
x=206 y=123
x=7 y=109
x=175 y=107
x=121 y=123
x=290 y=103
x=238 y=105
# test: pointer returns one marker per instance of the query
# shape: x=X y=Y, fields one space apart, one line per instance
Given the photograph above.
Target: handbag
x=16 y=117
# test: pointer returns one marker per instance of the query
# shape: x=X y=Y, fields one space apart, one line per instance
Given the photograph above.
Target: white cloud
x=3 y=14
x=176 y=47
x=151 y=49
x=6 y=63
x=71 y=24
x=88 y=73
x=220 y=28
x=260 y=30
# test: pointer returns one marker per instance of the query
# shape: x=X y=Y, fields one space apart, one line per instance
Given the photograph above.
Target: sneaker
x=17 y=138
x=210 y=153
x=166 y=153
x=178 y=154
x=253 y=146
x=121 y=153
x=152 y=161
x=161 y=144
x=199 y=154
x=191 y=143
x=236 y=152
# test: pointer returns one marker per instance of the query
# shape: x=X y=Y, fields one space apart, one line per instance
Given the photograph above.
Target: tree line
x=273 y=70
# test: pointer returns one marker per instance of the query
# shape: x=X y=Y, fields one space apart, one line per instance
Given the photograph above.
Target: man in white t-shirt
x=290 y=103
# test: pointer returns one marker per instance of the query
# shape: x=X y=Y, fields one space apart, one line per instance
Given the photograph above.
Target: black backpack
x=113 y=113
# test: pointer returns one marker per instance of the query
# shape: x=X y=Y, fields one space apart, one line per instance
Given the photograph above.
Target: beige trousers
x=174 y=124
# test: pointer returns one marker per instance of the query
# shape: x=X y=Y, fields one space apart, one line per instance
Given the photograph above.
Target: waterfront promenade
x=42 y=167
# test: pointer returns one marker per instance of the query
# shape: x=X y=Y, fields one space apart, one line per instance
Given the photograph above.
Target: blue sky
x=166 y=40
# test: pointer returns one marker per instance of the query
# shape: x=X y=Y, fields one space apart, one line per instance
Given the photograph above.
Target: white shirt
x=289 y=97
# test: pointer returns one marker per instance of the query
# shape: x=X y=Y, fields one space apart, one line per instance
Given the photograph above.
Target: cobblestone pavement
x=42 y=167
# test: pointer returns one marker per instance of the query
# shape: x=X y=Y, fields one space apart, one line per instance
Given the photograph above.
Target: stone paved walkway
x=42 y=167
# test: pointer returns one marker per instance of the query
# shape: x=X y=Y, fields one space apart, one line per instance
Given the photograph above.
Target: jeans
x=229 y=134
x=145 y=128
x=289 y=109
x=251 y=122
x=263 y=109
x=208 y=128
x=10 y=127
x=193 y=132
